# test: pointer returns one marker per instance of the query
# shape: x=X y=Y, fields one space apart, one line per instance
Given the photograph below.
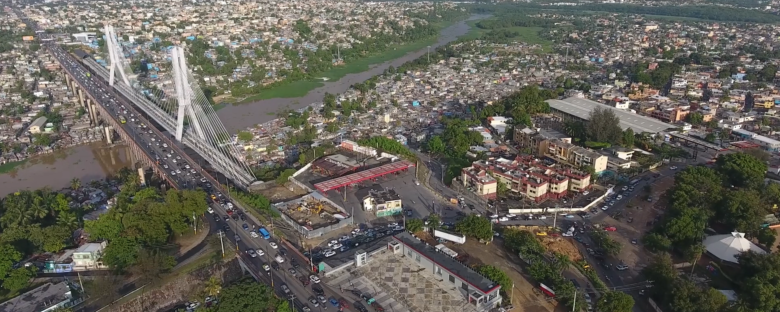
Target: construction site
x=313 y=215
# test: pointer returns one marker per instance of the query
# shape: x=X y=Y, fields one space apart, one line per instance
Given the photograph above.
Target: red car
x=343 y=303
x=610 y=229
x=303 y=280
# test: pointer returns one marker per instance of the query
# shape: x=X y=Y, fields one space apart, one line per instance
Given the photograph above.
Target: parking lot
x=416 y=197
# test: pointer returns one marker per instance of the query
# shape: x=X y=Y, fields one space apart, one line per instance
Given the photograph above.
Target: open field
x=529 y=35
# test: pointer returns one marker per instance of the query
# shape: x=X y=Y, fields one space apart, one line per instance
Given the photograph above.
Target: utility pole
x=194 y=223
x=353 y=215
x=442 y=173
x=222 y=243
x=574 y=305
x=555 y=216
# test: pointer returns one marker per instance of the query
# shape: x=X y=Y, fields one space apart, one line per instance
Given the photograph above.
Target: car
x=333 y=242
x=503 y=219
x=634 y=241
x=275 y=265
x=337 y=246
x=266 y=268
x=343 y=238
x=343 y=303
x=292 y=271
x=285 y=289
x=260 y=252
x=621 y=267
x=330 y=253
x=314 y=279
x=254 y=234
x=226 y=218
x=673 y=167
x=605 y=208
x=305 y=309
x=314 y=302
x=273 y=245
x=251 y=253
x=334 y=302
x=238 y=238
x=245 y=227
x=320 y=297
x=318 y=290
x=279 y=259
x=344 y=248
x=217 y=218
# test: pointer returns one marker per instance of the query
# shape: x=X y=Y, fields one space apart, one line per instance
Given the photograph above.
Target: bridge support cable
x=176 y=102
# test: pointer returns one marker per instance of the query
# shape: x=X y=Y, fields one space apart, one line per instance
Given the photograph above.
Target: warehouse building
x=579 y=109
x=478 y=290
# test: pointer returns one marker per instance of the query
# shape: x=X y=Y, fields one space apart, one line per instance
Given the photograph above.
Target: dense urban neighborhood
x=607 y=156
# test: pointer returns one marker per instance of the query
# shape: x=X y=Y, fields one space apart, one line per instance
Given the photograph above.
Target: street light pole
x=222 y=243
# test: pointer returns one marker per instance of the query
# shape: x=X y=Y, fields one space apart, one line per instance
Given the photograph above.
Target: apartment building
x=576 y=156
x=479 y=181
x=532 y=177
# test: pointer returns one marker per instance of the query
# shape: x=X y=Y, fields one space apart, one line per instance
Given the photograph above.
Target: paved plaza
x=399 y=285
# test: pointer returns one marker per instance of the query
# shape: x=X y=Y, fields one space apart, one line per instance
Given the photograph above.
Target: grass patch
x=529 y=35
x=11 y=166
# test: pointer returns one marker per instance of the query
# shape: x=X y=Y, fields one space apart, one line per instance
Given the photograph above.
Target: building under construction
x=314 y=215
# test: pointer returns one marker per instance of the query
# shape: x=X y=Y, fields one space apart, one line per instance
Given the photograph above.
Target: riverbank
x=239 y=117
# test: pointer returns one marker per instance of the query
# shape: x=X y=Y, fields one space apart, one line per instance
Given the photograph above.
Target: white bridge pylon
x=184 y=95
x=115 y=57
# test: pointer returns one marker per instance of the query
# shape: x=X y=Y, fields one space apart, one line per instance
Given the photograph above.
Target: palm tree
x=68 y=219
x=75 y=184
x=37 y=210
x=213 y=286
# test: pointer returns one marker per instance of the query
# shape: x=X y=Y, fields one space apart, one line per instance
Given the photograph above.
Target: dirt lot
x=562 y=246
x=642 y=213
x=281 y=193
x=525 y=297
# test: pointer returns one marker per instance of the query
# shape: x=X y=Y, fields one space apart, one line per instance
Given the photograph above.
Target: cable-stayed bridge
x=175 y=101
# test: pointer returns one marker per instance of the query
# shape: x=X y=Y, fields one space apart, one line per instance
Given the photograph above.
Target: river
x=241 y=116
x=96 y=161
x=86 y=162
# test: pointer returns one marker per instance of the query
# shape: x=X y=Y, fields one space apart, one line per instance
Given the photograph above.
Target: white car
x=503 y=219
x=337 y=246
x=332 y=243
x=279 y=259
x=273 y=245
x=266 y=267
x=494 y=216
x=251 y=253
x=260 y=252
x=511 y=215
x=253 y=234
x=314 y=279
x=230 y=205
x=673 y=167
x=621 y=267
x=330 y=254
x=605 y=208
x=210 y=210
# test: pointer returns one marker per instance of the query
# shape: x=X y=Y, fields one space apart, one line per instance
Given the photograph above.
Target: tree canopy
x=604 y=126
x=248 y=295
x=475 y=226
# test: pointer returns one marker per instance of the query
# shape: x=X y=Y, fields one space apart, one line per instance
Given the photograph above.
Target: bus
x=264 y=233
x=122 y=119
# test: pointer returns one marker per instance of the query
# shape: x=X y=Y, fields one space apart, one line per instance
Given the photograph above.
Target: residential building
x=479 y=182
x=478 y=290
x=45 y=298
x=383 y=202
x=670 y=114
x=532 y=177
x=37 y=125
x=527 y=138
x=89 y=256
x=572 y=154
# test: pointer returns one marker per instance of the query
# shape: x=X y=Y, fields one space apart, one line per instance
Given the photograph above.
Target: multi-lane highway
x=183 y=173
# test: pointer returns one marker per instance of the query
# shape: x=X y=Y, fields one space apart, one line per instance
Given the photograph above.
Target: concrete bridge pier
x=92 y=112
x=109 y=134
